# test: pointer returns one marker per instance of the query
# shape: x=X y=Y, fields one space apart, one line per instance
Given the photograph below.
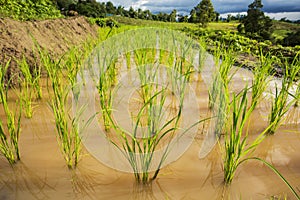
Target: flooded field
x=153 y=131
x=42 y=173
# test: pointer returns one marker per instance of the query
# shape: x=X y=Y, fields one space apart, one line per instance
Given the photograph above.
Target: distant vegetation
x=29 y=9
x=247 y=33
x=256 y=25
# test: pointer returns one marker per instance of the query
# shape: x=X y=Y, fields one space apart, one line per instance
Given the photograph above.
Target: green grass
x=281 y=29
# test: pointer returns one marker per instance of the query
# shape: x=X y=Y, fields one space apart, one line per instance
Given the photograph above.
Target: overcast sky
x=221 y=6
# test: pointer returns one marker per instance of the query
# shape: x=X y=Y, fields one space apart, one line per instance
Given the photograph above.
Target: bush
x=30 y=9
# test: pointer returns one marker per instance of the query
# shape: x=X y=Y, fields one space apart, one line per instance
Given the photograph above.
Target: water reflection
x=19 y=179
x=151 y=191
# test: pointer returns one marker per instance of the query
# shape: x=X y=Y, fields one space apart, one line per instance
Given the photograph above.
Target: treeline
x=202 y=13
x=92 y=8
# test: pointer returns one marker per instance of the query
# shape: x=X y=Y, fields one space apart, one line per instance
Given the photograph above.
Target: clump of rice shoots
x=67 y=126
x=9 y=136
x=236 y=148
x=30 y=85
x=281 y=103
x=260 y=80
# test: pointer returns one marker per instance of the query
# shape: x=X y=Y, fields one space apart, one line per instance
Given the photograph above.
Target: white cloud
x=221 y=6
x=277 y=16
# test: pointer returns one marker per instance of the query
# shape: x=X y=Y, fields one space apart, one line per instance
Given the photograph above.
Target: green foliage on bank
x=28 y=9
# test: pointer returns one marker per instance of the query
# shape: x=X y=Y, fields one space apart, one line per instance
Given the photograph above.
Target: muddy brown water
x=43 y=174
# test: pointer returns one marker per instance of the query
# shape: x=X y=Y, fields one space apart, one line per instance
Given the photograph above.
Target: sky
x=221 y=6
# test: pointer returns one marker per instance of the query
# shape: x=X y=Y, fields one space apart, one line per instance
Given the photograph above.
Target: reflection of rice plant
x=9 y=142
x=29 y=86
x=68 y=131
x=236 y=147
x=260 y=79
x=281 y=103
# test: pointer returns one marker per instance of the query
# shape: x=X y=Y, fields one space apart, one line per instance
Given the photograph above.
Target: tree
x=132 y=13
x=292 y=39
x=193 y=16
x=172 y=16
x=110 y=8
x=204 y=13
x=256 y=24
x=183 y=18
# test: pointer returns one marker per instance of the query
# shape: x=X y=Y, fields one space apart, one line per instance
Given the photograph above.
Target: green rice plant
x=297 y=96
x=67 y=125
x=128 y=59
x=26 y=87
x=140 y=152
x=202 y=54
x=224 y=61
x=105 y=85
x=260 y=79
x=30 y=85
x=72 y=64
x=281 y=103
x=152 y=126
x=105 y=93
x=236 y=147
x=9 y=137
x=219 y=93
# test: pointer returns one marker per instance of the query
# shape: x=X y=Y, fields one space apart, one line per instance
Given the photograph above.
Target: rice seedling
x=9 y=137
x=236 y=147
x=72 y=64
x=67 y=125
x=281 y=103
x=152 y=126
x=297 y=95
x=202 y=54
x=105 y=89
x=128 y=58
x=260 y=79
x=224 y=60
x=140 y=152
x=27 y=87
x=219 y=93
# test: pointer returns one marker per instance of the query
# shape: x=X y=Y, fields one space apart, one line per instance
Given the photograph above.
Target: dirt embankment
x=56 y=36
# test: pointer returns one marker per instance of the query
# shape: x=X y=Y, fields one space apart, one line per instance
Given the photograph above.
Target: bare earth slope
x=57 y=36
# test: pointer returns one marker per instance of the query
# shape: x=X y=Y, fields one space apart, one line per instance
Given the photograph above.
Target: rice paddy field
x=148 y=113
